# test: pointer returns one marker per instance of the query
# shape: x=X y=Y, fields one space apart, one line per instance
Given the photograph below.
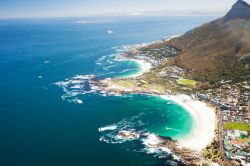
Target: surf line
x=167 y=128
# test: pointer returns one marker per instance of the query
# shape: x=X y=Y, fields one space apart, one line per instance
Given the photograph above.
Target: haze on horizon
x=66 y=8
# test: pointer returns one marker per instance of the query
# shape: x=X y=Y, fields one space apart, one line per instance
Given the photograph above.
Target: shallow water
x=44 y=124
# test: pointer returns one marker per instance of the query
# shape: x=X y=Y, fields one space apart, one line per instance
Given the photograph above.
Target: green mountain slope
x=217 y=50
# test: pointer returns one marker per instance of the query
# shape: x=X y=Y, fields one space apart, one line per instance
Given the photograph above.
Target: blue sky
x=54 y=8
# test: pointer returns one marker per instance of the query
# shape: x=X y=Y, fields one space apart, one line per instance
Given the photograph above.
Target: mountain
x=239 y=10
x=219 y=49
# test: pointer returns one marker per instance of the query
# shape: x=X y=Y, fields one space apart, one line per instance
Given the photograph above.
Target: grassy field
x=187 y=82
x=243 y=140
x=125 y=83
x=237 y=126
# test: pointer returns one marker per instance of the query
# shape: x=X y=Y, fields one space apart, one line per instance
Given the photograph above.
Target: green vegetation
x=126 y=83
x=236 y=73
x=188 y=82
x=236 y=126
x=212 y=152
x=243 y=140
x=213 y=52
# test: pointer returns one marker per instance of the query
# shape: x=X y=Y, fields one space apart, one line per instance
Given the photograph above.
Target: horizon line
x=192 y=12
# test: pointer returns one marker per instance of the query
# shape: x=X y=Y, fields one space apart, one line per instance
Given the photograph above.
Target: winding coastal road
x=221 y=138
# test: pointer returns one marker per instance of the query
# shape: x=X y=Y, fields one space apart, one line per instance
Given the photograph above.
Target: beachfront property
x=233 y=103
x=230 y=99
x=155 y=56
x=172 y=72
x=236 y=146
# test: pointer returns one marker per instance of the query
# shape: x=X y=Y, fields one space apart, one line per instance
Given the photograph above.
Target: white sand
x=204 y=119
x=144 y=67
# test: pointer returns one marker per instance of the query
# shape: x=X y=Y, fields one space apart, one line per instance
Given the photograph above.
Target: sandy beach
x=204 y=119
x=203 y=116
x=143 y=65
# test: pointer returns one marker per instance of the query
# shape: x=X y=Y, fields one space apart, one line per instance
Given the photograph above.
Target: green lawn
x=243 y=140
x=236 y=126
x=183 y=81
x=125 y=83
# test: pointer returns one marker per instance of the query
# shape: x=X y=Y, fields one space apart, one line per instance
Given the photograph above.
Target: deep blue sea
x=43 y=124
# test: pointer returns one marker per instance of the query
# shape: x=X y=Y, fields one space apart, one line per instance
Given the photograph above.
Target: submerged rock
x=128 y=135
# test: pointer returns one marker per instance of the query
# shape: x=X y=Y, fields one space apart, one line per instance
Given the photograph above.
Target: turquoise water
x=43 y=124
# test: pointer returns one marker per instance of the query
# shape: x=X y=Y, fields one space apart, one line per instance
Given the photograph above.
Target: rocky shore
x=161 y=80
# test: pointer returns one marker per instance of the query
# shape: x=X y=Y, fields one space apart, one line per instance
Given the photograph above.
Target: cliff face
x=220 y=49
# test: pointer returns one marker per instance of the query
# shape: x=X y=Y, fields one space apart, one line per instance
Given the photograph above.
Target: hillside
x=218 y=50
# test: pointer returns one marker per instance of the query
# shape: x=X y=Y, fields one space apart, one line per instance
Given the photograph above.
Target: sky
x=64 y=8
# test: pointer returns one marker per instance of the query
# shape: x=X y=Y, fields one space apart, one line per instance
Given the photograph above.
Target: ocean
x=48 y=113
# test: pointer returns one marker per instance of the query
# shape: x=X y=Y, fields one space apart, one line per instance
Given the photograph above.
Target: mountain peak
x=241 y=4
x=240 y=9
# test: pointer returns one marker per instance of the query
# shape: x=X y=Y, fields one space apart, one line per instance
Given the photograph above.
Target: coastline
x=144 y=67
x=203 y=116
x=204 y=119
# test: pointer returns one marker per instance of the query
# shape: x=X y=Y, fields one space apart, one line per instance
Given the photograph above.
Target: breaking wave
x=76 y=86
x=135 y=130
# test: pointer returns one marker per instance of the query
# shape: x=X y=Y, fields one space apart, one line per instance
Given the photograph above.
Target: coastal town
x=232 y=101
x=125 y=83
x=216 y=93
x=231 y=145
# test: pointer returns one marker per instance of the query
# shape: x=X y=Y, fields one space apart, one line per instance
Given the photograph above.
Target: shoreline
x=144 y=67
x=203 y=116
x=204 y=119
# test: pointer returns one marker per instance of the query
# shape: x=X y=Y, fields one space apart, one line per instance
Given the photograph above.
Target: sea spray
x=133 y=129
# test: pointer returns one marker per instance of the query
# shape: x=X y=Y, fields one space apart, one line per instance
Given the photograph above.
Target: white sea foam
x=75 y=87
x=103 y=74
x=107 y=128
x=84 y=77
x=125 y=70
x=119 y=49
x=110 y=32
x=108 y=67
x=169 y=128
x=101 y=59
x=78 y=101
x=151 y=140
x=203 y=122
x=143 y=65
x=133 y=129
x=107 y=59
x=110 y=61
